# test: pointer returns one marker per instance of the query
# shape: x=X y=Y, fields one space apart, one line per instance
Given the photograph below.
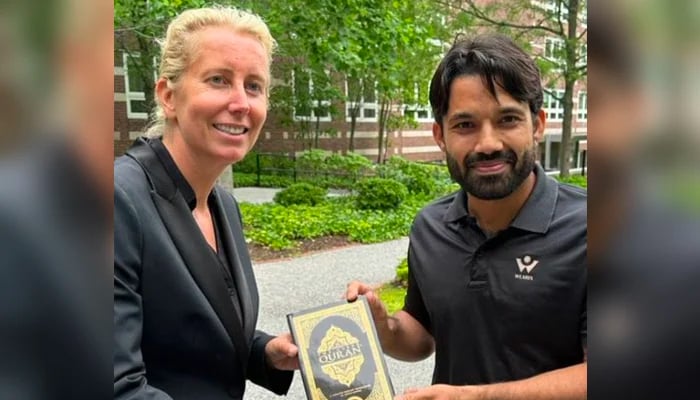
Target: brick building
x=416 y=143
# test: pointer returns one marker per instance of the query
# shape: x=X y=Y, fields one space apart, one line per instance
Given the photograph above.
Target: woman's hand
x=281 y=353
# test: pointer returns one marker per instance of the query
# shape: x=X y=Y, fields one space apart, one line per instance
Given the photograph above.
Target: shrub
x=301 y=193
x=275 y=181
x=577 y=180
x=402 y=272
x=418 y=178
x=380 y=194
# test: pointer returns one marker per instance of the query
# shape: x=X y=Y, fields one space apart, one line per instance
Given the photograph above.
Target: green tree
x=138 y=25
x=563 y=25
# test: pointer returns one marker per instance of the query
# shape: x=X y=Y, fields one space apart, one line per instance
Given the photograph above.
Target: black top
x=505 y=307
x=188 y=193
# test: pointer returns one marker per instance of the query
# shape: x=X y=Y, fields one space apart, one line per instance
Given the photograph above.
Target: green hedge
x=578 y=180
x=380 y=194
x=301 y=193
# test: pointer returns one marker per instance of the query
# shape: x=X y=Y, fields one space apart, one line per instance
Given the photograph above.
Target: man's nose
x=489 y=140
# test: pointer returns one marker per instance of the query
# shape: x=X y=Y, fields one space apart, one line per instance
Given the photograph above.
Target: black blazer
x=177 y=334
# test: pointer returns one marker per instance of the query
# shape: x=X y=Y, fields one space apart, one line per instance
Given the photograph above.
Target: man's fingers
x=355 y=289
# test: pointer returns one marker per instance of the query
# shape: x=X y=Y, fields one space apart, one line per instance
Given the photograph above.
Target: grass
x=392 y=296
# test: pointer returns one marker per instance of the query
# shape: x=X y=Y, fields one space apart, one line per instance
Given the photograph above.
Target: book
x=339 y=352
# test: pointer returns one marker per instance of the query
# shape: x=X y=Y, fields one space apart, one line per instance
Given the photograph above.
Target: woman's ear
x=165 y=97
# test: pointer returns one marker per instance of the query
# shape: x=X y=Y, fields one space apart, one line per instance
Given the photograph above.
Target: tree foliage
x=563 y=61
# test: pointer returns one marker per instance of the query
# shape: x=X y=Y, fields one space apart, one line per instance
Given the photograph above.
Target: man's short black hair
x=498 y=60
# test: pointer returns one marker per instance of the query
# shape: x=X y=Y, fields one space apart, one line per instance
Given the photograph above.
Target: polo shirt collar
x=536 y=214
x=174 y=172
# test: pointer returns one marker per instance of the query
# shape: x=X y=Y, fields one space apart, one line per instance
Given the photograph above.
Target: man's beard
x=496 y=186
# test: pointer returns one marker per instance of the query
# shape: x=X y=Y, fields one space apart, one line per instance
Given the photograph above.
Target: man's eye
x=464 y=125
x=510 y=119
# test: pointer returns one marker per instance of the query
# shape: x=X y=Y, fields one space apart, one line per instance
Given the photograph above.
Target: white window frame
x=553 y=108
x=553 y=45
x=314 y=104
x=133 y=95
x=364 y=106
x=416 y=108
x=582 y=100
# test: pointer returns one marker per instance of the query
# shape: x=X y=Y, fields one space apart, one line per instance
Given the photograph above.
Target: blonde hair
x=177 y=50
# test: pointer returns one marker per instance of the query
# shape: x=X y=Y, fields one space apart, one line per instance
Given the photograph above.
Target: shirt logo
x=525 y=265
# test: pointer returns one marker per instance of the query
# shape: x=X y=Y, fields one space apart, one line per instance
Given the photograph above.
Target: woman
x=185 y=299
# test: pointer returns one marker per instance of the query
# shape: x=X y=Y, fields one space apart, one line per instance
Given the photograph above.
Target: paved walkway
x=316 y=279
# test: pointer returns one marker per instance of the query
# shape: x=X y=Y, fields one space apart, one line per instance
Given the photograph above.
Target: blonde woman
x=185 y=298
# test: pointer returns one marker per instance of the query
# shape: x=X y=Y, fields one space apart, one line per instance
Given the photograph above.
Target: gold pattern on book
x=340 y=355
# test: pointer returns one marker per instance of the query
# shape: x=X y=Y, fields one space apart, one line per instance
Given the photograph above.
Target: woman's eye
x=217 y=80
x=254 y=87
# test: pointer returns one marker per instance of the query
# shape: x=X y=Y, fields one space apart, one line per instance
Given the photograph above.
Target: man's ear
x=165 y=95
x=438 y=136
x=538 y=132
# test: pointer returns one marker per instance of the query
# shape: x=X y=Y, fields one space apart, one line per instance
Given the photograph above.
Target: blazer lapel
x=200 y=261
x=230 y=222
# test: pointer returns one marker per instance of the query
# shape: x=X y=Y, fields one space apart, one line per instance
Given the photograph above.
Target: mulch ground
x=260 y=253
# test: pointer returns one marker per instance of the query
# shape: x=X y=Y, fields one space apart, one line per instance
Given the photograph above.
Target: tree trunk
x=569 y=82
x=383 y=107
x=353 y=124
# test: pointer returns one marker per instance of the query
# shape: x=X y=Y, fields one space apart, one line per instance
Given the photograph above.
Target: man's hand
x=281 y=353
x=442 y=392
x=379 y=313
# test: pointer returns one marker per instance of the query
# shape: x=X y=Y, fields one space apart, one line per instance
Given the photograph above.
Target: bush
x=249 y=180
x=279 y=227
x=402 y=272
x=577 y=180
x=380 y=194
x=419 y=178
x=301 y=193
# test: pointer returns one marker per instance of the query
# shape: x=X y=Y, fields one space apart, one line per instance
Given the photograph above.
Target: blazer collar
x=194 y=250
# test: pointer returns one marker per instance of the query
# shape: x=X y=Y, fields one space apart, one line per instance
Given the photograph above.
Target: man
x=497 y=275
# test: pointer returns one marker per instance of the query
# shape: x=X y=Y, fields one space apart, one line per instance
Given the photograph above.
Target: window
x=136 y=105
x=417 y=110
x=556 y=7
x=552 y=106
x=307 y=106
x=582 y=58
x=582 y=113
x=554 y=49
x=363 y=97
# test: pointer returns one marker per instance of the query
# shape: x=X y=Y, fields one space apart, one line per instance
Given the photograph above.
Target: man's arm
x=401 y=336
x=561 y=384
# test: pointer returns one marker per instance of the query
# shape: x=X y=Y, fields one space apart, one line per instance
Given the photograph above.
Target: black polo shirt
x=506 y=307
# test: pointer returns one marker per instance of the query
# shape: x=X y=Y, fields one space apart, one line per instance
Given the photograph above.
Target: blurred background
x=644 y=204
x=55 y=199
x=56 y=138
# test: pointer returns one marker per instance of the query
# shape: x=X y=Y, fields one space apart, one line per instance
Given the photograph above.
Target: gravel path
x=304 y=282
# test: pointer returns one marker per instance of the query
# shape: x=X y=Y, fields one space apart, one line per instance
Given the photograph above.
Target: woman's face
x=217 y=107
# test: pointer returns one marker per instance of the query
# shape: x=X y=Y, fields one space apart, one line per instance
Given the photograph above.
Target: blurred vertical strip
x=56 y=113
x=644 y=199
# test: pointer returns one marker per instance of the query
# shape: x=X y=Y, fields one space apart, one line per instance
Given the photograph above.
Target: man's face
x=489 y=144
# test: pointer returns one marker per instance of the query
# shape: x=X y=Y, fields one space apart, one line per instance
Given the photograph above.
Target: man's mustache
x=505 y=156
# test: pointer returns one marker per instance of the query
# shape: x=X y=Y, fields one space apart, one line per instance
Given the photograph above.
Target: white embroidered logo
x=525 y=266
